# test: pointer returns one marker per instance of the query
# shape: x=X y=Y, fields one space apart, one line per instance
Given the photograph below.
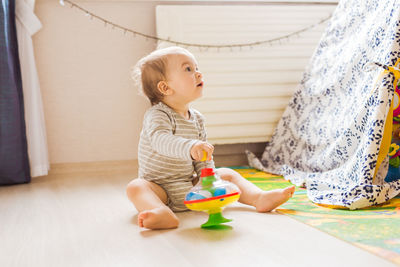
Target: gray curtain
x=14 y=162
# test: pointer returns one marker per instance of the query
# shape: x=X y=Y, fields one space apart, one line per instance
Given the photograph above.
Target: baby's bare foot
x=269 y=200
x=159 y=218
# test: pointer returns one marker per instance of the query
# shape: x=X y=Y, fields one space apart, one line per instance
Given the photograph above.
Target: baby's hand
x=197 y=150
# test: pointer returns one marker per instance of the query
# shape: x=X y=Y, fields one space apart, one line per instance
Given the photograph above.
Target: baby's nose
x=199 y=74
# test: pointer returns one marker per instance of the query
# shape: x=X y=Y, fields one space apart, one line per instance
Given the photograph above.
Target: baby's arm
x=159 y=128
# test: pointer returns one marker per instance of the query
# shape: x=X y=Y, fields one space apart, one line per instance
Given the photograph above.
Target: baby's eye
x=188 y=69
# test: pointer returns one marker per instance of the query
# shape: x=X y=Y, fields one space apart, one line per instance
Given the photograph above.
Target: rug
x=375 y=229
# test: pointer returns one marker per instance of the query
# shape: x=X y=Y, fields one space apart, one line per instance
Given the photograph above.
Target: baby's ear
x=163 y=87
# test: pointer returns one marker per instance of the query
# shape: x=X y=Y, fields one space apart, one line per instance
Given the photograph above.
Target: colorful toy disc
x=211 y=195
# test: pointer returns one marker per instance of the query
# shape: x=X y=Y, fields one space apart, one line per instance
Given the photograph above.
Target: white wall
x=92 y=109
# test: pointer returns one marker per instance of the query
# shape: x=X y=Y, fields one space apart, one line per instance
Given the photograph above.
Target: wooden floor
x=81 y=217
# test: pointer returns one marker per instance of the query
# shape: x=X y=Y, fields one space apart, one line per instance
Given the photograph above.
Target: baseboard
x=102 y=166
x=234 y=154
x=224 y=155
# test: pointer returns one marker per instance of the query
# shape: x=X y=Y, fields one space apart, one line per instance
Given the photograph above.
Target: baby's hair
x=152 y=69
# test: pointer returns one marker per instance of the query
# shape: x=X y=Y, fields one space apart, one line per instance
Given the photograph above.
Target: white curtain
x=27 y=25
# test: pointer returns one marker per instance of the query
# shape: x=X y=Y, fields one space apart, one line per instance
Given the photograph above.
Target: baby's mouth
x=200 y=84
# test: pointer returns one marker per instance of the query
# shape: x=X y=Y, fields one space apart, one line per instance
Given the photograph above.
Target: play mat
x=375 y=229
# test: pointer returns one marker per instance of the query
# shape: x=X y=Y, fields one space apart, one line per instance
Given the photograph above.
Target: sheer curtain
x=14 y=163
x=27 y=25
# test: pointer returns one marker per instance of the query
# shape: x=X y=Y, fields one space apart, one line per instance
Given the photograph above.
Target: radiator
x=247 y=90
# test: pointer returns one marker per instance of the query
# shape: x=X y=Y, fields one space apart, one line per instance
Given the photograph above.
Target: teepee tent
x=335 y=134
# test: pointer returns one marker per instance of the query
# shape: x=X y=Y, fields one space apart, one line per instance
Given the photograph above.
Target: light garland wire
x=200 y=46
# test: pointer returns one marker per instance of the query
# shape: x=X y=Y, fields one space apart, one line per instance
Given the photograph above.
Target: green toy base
x=215 y=219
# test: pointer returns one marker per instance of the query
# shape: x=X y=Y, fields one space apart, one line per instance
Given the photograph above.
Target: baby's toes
x=141 y=217
x=290 y=190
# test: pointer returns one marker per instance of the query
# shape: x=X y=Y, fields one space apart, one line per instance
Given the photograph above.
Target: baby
x=172 y=142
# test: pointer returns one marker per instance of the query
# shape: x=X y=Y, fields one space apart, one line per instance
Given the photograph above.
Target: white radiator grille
x=245 y=91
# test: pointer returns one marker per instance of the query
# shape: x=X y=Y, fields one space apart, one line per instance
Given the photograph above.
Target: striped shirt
x=165 y=143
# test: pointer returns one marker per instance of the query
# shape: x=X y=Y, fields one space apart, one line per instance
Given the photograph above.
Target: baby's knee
x=135 y=186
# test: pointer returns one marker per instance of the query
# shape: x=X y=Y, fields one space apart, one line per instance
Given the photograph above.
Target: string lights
x=201 y=47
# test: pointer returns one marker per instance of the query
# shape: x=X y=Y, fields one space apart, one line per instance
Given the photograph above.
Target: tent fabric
x=330 y=134
x=14 y=162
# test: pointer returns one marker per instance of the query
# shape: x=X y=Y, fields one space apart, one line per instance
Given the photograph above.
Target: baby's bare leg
x=149 y=199
x=252 y=195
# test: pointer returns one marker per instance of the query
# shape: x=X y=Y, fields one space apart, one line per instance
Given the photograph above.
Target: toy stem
x=215 y=219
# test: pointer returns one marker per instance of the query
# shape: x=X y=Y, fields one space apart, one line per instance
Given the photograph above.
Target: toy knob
x=204 y=156
x=207 y=172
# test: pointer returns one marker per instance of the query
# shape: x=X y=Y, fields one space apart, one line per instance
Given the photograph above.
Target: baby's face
x=184 y=78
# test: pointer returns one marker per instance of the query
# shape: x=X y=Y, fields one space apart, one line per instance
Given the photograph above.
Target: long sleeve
x=160 y=130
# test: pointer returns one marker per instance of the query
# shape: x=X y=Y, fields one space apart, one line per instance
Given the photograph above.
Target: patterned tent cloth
x=330 y=137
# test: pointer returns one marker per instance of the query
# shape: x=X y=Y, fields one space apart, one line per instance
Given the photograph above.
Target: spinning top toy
x=211 y=194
